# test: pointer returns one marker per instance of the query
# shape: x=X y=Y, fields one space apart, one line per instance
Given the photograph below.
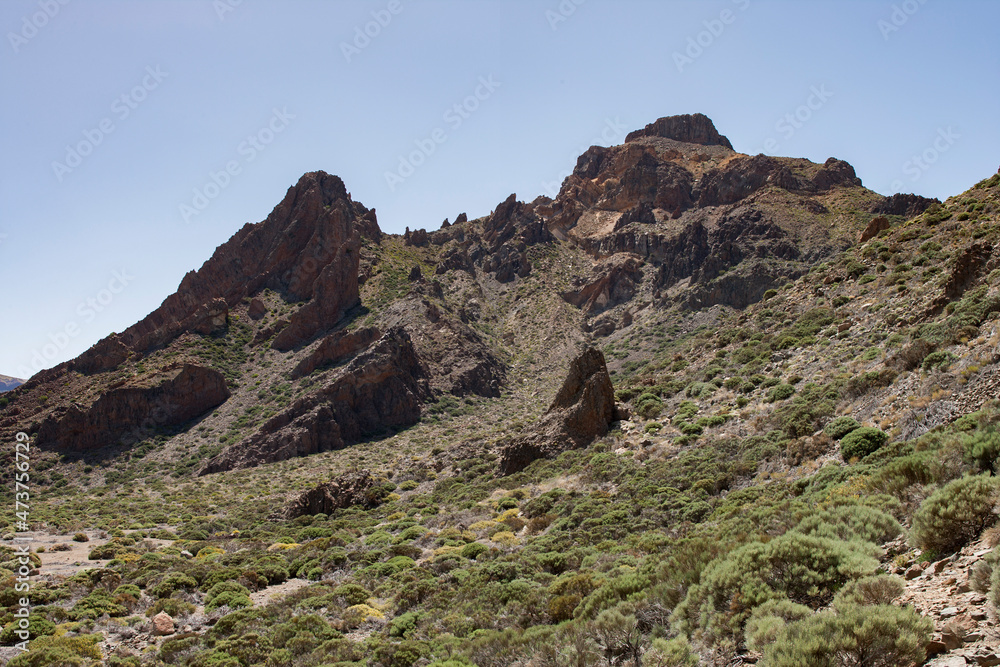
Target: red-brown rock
x=876 y=225
x=353 y=488
x=133 y=412
x=581 y=411
x=381 y=389
x=336 y=348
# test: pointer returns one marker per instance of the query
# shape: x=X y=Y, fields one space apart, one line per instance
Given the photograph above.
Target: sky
x=137 y=136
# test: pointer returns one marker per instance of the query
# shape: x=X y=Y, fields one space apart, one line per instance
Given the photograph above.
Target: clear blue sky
x=160 y=94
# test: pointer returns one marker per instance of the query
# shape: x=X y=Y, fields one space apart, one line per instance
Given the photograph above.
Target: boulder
x=257 y=309
x=876 y=225
x=353 y=488
x=162 y=625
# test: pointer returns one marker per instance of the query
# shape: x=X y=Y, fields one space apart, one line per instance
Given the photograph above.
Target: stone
x=616 y=281
x=689 y=128
x=257 y=309
x=913 y=572
x=876 y=225
x=354 y=488
x=908 y=205
x=307 y=248
x=948 y=612
x=336 y=348
x=162 y=625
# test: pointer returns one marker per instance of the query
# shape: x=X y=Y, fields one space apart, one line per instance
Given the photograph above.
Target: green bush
x=648 y=405
x=227 y=594
x=861 y=442
x=983 y=449
x=879 y=589
x=97 y=604
x=805 y=569
x=779 y=392
x=937 y=359
x=473 y=550
x=874 y=636
x=174 y=581
x=769 y=619
x=78 y=651
x=850 y=522
x=352 y=594
x=955 y=514
x=841 y=426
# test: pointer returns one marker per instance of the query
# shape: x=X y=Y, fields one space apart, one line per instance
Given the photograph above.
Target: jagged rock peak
x=689 y=128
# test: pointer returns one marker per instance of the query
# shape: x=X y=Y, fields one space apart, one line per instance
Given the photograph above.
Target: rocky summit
x=701 y=407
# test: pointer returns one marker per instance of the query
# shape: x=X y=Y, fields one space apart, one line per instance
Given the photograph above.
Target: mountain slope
x=7 y=383
x=800 y=369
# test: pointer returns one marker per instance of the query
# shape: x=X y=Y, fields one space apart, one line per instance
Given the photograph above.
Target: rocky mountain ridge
x=564 y=410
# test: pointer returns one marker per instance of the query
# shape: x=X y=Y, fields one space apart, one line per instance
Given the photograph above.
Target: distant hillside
x=7 y=383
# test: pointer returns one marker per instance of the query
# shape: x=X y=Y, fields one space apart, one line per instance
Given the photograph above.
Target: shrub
x=670 y=652
x=955 y=514
x=648 y=405
x=176 y=608
x=861 y=442
x=473 y=550
x=841 y=426
x=995 y=588
x=77 y=651
x=983 y=449
x=769 y=619
x=227 y=594
x=780 y=392
x=805 y=569
x=849 y=522
x=874 y=636
x=352 y=594
x=879 y=589
x=937 y=359
x=700 y=390
x=97 y=604
x=81 y=537
x=173 y=582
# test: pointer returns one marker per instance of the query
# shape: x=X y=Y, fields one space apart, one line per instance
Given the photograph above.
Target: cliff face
x=132 y=412
x=307 y=249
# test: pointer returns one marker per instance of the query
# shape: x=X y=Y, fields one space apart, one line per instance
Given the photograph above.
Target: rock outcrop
x=336 y=348
x=457 y=359
x=877 y=224
x=689 y=128
x=907 y=205
x=582 y=411
x=132 y=412
x=615 y=282
x=379 y=390
x=307 y=249
x=507 y=233
x=353 y=488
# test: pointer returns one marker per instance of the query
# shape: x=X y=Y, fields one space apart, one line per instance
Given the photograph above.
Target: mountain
x=698 y=406
x=7 y=383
